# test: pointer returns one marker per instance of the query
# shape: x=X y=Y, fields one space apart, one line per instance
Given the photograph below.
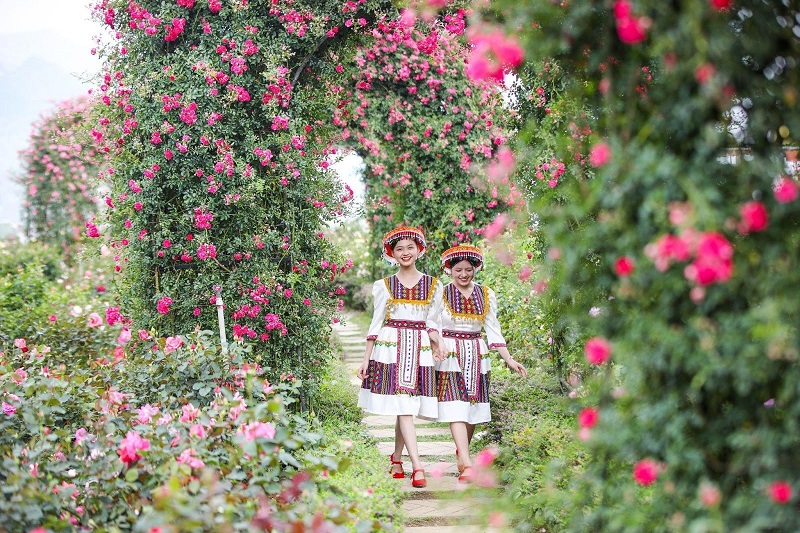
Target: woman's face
x=405 y=252
x=462 y=273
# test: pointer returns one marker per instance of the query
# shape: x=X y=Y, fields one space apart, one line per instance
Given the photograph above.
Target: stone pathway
x=438 y=508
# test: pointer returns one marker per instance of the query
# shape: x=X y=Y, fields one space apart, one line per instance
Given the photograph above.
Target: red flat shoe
x=419 y=483
x=466 y=475
x=396 y=475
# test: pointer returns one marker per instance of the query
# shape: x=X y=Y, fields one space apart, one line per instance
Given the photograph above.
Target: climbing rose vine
x=213 y=114
x=426 y=132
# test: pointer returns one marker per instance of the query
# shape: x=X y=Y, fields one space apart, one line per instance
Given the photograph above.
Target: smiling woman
x=403 y=342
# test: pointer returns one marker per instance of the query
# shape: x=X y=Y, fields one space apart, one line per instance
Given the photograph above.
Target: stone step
x=347 y=330
x=451 y=529
x=421 y=432
x=426 y=449
x=452 y=510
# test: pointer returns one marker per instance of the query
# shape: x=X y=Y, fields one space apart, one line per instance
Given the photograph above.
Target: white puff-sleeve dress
x=401 y=378
x=463 y=376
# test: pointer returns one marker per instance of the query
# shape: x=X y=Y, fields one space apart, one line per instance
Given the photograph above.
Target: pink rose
x=624 y=266
x=8 y=409
x=588 y=417
x=146 y=413
x=163 y=305
x=486 y=457
x=646 y=472
x=780 y=492
x=754 y=217
x=785 y=190
x=600 y=154
x=713 y=262
x=172 y=344
x=94 y=321
x=597 y=350
x=255 y=430
x=124 y=336
x=709 y=495
x=721 y=5
x=113 y=315
x=82 y=436
x=187 y=457
x=130 y=447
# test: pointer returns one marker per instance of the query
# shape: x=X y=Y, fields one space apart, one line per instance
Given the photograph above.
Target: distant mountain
x=26 y=92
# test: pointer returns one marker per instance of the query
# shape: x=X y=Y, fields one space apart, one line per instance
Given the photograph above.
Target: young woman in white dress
x=463 y=375
x=403 y=340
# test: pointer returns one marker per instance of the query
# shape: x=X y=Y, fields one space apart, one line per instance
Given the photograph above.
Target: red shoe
x=419 y=483
x=466 y=475
x=396 y=475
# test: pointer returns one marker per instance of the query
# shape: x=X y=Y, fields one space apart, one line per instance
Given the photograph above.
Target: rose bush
x=213 y=113
x=425 y=131
x=100 y=445
x=60 y=168
x=696 y=382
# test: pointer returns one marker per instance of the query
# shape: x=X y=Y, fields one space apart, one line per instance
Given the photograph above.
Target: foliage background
x=692 y=365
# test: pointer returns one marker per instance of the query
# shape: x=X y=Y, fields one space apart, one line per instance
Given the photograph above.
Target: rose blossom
x=588 y=417
x=146 y=413
x=785 y=190
x=597 y=350
x=172 y=344
x=624 y=266
x=713 y=262
x=754 y=217
x=486 y=457
x=709 y=495
x=600 y=154
x=163 y=305
x=255 y=430
x=187 y=457
x=780 y=492
x=645 y=472
x=130 y=446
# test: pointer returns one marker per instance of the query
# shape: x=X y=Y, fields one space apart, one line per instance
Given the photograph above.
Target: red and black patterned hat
x=402 y=232
x=456 y=254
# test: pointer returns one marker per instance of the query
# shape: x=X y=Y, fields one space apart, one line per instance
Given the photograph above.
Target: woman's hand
x=362 y=370
x=517 y=367
x=438 y=352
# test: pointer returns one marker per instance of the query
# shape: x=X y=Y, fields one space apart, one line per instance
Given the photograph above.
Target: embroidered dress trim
x=469 y=359
x=419 y=294
x=450 y=334
x=409 y=342
x=497 y=345
x=405 y=324
x=473 y=308
x=371 y=337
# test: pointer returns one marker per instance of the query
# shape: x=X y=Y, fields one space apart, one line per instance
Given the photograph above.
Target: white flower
x=595 y=311
x=76 y=310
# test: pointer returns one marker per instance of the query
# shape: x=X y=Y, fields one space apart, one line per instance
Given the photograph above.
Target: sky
x=68 y=27
x=45 y=57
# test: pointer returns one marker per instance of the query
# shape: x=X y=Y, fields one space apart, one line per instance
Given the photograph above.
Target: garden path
x=441 y=507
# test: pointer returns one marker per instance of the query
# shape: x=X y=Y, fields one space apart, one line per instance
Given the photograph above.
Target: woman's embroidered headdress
x=402 y=232
x=457 y=254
